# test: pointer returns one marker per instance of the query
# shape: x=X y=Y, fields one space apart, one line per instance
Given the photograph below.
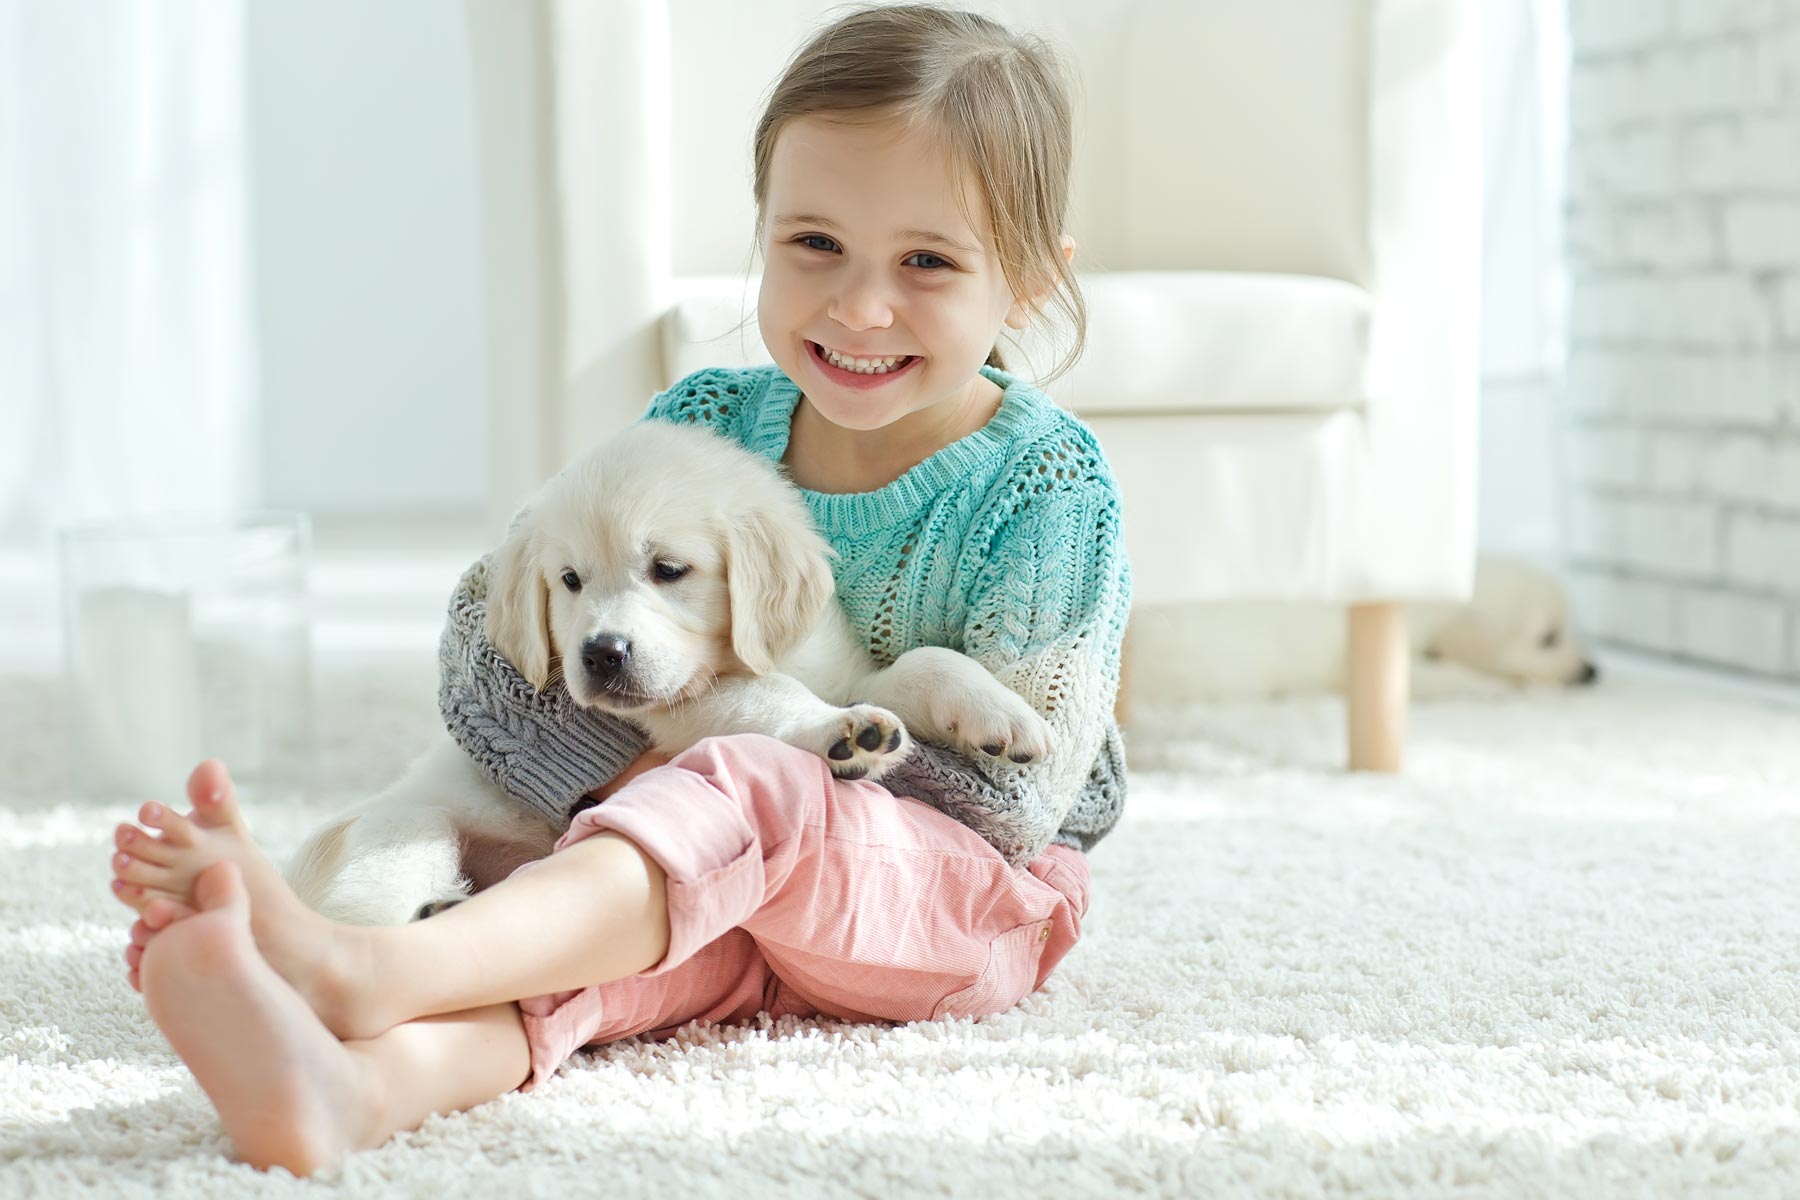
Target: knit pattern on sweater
x=540 y=747
x=1005 y=545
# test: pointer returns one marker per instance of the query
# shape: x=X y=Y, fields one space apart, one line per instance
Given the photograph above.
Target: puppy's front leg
x=947 y=697
x=857 y=741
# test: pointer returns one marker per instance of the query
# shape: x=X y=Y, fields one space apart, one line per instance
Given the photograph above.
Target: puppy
x=1515 y=627
x=676 y=579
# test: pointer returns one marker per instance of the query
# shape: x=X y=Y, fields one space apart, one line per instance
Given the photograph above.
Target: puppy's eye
x=1549 y=640
x=669 y=572
x=572 y=581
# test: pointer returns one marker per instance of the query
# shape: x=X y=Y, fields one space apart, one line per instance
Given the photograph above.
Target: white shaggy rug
x=1559 y=956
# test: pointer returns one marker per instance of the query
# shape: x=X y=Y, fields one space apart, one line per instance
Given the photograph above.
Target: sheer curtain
x=1523 y=285
x=127 y=370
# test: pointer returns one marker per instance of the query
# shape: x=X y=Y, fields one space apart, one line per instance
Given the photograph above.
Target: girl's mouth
x=859 y=379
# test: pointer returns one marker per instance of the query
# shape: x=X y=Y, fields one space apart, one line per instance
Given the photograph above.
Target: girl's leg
x=863 y=905
x=591 y=913
x=288 y=1092
x=588 y=914
x=871 y=906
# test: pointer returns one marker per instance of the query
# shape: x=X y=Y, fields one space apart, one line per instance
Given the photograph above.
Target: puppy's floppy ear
x=518 y=603
x=778 y=574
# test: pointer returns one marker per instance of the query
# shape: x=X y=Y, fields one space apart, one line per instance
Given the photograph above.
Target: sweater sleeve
x=1046 y=615
x=1012 y=816
x=541 y=748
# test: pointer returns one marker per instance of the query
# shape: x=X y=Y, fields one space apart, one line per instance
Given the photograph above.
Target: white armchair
x=1277 y=207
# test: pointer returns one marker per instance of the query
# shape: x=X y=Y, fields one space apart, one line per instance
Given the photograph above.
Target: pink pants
x=792 y=892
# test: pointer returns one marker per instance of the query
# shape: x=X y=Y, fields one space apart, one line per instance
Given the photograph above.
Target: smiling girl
x=911 y=183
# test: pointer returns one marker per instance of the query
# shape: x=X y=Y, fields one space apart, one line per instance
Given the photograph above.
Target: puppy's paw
x=996 y=722
x=860 y=742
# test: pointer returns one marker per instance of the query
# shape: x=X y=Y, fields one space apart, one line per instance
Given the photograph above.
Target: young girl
x=911 y=184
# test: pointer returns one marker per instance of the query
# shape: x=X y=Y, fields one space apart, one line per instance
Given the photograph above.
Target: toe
x=159 y=910
x=176 y=829
x=221 y=886
x=136 y=896
x=141 y=933
x=147 y=874
x=133 y=956
x=213 y=795
x=141 y=844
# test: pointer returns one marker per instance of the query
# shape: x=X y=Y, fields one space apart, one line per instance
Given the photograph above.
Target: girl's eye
x=669 y=572
x=819 y=237
x=571 y=580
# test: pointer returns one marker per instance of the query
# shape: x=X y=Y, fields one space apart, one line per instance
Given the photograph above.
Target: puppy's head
x=1516 y=625
x=655 y=564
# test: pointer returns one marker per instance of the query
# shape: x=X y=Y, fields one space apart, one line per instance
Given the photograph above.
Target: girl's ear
x=518 y=607
x=778 y=576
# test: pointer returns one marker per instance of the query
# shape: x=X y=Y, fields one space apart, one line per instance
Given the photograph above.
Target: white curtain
x=1526 y=82
x=127 y=370
x=1523 y=284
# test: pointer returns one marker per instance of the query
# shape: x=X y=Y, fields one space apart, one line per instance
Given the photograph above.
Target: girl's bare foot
x=287 y=1091
x=141 y=933
x=156 y=873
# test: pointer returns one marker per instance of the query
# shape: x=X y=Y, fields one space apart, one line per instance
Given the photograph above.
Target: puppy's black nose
x=606 y=655
x=1589 y=673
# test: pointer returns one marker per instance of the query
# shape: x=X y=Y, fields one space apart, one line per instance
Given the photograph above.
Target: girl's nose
x=862 y=303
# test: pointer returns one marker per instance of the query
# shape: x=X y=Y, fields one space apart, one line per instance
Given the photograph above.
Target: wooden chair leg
x=1376 y=686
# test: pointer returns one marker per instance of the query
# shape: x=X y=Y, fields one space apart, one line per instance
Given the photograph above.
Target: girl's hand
x=649 y=760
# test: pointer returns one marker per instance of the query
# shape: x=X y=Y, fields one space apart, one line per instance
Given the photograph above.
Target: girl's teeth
x=865 y=366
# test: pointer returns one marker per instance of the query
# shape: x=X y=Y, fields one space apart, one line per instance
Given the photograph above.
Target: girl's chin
x=857 y=420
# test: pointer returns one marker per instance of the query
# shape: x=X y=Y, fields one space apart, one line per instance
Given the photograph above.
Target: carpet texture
x=1559 y=956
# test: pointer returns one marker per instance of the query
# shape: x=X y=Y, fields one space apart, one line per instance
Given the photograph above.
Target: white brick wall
x=1680 y=431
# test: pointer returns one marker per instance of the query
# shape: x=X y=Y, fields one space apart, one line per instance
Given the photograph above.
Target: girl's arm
x=1049 y=595
x=541 y=748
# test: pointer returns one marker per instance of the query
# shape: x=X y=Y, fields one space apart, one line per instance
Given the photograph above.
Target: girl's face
x=850 y=267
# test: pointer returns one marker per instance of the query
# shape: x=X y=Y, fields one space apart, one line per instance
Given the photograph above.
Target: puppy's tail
x=317 y=862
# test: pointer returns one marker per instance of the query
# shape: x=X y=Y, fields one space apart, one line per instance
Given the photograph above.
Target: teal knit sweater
x=1005 y=545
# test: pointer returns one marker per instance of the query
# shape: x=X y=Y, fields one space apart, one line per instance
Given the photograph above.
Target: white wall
x=1683 y=395
x=369 y=277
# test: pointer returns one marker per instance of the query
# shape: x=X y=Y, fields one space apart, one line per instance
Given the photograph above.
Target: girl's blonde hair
x=997 y=102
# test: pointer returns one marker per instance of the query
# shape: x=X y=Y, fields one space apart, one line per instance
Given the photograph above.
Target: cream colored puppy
x=675 y=579
x=1515 y=627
